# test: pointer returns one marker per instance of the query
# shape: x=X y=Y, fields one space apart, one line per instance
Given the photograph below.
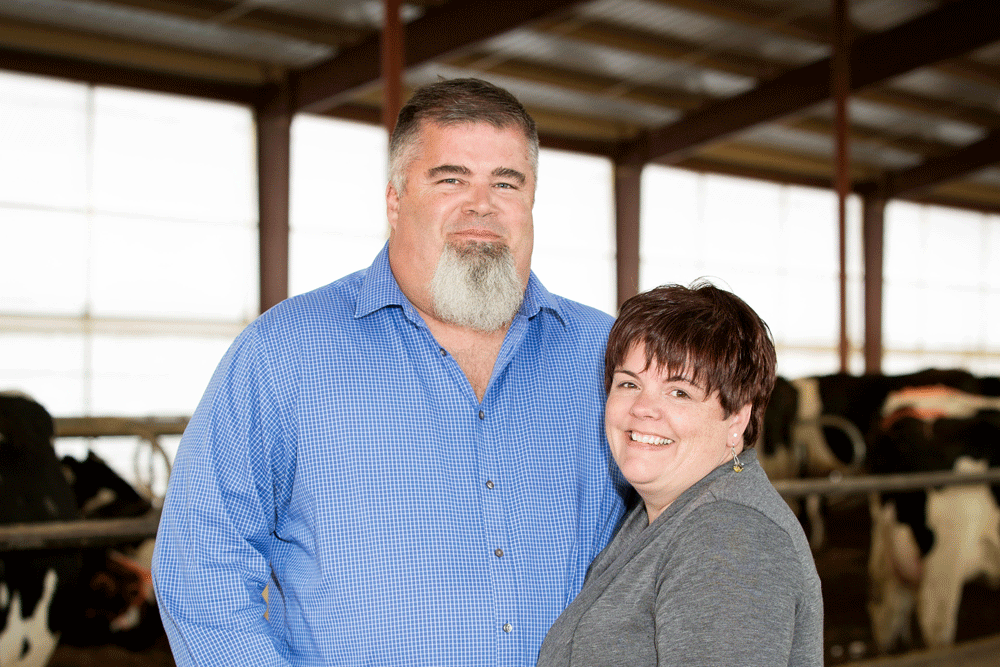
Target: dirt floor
x=842 y=564
x=112 y=656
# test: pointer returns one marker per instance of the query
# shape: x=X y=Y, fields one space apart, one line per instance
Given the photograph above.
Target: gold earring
x=737 y=466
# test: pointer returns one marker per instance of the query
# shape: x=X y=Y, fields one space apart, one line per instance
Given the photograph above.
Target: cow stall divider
x=839 y=484
x=101 y=532
x=814 y=489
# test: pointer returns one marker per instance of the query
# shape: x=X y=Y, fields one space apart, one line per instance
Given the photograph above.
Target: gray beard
x=475 y=286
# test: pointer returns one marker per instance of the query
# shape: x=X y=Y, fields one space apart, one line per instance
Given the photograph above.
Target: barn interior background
x=169 y=168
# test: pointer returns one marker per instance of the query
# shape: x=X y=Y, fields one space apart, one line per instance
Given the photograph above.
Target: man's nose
x=480 y=201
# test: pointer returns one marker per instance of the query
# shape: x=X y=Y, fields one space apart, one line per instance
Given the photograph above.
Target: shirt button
x=444 y=353
x=482 y=414
x=489 y=484
x=507 y=627
x=499 y=552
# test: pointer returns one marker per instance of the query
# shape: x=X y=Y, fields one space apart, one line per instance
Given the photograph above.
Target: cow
x=116 y=588
x=926 y=545
x=82 y=596
x=37 y=585
x=818 y=426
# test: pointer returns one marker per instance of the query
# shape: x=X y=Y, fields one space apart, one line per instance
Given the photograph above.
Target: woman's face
x=665 y=432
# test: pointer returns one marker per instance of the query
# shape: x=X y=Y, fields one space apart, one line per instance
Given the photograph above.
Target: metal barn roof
x=732 y=86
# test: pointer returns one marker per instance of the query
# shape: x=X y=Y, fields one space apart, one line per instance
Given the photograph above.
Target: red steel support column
x=841 y=88
x=628 y=180
x=392 y=65
x=873 y=226
x=274 y=122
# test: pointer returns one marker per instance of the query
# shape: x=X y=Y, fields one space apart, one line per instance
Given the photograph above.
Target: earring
x=737 y=466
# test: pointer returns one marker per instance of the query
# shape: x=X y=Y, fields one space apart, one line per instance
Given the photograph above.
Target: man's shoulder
x=336 y=299
x=581 y=316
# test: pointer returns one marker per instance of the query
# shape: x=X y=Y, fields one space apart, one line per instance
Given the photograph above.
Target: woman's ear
x=738 y=420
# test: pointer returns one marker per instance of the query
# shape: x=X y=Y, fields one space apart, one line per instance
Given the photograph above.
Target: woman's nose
x=645 y=406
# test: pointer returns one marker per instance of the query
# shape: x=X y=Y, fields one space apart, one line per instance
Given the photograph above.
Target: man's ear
x=391 y=204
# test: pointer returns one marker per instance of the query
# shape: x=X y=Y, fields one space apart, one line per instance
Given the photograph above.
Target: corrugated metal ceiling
x=601 y=76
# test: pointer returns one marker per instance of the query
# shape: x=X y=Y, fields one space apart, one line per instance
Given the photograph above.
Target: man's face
x=469 y=183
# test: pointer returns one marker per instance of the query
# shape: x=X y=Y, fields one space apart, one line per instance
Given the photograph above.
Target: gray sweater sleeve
x=728 y=591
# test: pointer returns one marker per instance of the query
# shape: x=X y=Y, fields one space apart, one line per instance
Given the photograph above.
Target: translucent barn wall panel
x=574 y=216
x=774 y=246
x=130 y=224
x=338 y=217
x=942 y=289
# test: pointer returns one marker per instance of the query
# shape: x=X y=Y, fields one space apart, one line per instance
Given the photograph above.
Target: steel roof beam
x=949 y=31
x=252 y=16
x=941 y=169
x=438 y=32
x=128 y=77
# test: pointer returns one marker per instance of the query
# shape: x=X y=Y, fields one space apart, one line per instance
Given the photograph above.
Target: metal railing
x=838 y=484
x=98 y=532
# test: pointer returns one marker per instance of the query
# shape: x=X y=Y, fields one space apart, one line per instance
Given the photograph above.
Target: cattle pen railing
x=838 y=484
x=97 y=532
x=104 y=532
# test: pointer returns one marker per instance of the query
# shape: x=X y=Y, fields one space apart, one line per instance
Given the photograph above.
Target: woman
x=711 y=567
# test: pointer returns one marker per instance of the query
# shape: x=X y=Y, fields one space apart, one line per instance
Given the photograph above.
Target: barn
x=171 y=169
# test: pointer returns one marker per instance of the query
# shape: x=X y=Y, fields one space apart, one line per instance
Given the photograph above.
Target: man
x=410 y=459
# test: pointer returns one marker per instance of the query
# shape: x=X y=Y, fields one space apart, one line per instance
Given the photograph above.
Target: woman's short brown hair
x=710 y=335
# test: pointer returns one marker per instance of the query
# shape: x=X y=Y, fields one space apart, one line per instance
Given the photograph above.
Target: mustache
x=486 y=223
x=471 y=247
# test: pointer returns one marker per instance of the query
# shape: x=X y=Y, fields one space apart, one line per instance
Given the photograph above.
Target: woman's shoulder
x=760 y=535
x=756 y=521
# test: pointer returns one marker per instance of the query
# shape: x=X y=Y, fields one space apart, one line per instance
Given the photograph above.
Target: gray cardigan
x=723 y=577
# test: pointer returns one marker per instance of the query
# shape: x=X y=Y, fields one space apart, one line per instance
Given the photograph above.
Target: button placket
x=489 y=445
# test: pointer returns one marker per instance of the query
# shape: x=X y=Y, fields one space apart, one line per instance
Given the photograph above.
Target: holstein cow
x=35 y=586
x=927 y=545
x=812 y=424
x=815 y=426
x=79 y=596
x=116 y=591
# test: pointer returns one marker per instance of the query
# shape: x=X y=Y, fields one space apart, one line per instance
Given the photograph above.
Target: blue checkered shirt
x=340 y=458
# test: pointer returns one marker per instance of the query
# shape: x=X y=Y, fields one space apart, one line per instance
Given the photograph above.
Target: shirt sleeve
x=612 y=508
x=210 y=565
x=728 y=592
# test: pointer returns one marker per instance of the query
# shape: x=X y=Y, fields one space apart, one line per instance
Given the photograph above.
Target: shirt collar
x=379 y=289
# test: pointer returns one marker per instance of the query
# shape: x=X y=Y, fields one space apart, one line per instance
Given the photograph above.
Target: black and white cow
x=35 y=586
x=116 y=588
x=926 y=545
x=816 y=426
x=82 y=596
x=812 y=425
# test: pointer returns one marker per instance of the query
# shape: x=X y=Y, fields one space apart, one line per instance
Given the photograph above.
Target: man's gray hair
x=456 y=102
